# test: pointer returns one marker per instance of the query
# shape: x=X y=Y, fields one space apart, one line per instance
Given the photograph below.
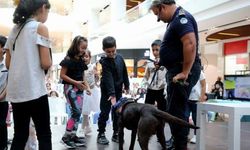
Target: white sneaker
x=193 y=140
x=81 y=132
x=87 y=130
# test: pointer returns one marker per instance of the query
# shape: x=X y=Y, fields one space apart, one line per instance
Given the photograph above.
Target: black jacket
x=114 y=76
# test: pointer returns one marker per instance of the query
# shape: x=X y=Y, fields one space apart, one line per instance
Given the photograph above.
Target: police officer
x=179 y=54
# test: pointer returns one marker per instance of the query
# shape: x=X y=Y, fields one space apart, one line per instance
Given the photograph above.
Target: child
x=27 y=58
x=114 y=77
x=155 y=79
x=72 y=72
x=3 y=103
x=91 y=102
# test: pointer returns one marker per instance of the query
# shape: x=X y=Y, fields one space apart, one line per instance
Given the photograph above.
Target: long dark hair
x=26 y=8
x=74 y=47
x=3 y=40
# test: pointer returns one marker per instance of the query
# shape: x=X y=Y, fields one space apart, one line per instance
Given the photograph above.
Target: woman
x=27 y=56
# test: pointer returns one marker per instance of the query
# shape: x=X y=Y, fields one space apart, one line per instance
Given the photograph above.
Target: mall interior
x=224 y=48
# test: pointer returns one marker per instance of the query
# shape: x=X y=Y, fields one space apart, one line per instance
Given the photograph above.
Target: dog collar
x=120 y=103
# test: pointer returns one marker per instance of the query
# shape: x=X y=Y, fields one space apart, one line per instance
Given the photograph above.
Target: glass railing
x=137 y=12
x=143 y=8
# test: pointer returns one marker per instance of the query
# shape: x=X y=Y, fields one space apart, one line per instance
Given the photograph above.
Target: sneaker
x=87 y=130
x=115 y=137
x=79 y=141
x=81 y=133
x=68 y=143
x=170 y=142
x=9 y=142
x=101 y=139
x=171 y=148
x=193 y=140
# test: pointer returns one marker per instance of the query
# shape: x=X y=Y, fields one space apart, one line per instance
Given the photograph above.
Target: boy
x=3 y=103
x=155 y=79
x=114 y=77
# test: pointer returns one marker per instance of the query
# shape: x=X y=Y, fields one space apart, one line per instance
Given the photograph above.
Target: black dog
x=145 y=119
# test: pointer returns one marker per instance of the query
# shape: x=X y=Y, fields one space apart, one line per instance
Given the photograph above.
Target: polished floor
x=216 y=138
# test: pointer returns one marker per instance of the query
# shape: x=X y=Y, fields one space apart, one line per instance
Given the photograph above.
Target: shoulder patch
x=181 y=12
x=183 y=20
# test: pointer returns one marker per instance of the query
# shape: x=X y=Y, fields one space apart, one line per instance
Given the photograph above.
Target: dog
x=144 y=120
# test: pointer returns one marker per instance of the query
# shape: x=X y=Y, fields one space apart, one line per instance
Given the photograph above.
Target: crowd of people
x=176 y=68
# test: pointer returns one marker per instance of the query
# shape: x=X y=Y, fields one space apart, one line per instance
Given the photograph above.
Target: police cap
x=158 y=3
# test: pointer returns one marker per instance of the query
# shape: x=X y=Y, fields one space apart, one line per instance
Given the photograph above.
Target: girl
x=72 y=71
x=3 y=103
x=91 y=102
x=27 y=56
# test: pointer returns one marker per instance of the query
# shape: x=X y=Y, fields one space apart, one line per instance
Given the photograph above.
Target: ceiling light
x=229 y=34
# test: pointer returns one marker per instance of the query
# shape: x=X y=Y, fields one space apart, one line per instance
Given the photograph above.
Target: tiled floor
x=216 y=138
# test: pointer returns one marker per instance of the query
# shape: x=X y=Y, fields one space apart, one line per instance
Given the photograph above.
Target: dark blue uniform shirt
x=171 y=51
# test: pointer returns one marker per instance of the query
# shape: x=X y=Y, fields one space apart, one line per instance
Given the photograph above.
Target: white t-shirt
x=196 y=90
x=26 y=79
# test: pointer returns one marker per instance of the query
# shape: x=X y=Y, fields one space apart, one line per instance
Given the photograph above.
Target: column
x=93 y=21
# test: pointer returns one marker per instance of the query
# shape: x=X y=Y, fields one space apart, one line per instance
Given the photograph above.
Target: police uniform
x=171 y=56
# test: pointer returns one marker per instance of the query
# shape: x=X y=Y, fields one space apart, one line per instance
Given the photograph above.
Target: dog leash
x=155 y=72
x=145 y=58
x=169 y=101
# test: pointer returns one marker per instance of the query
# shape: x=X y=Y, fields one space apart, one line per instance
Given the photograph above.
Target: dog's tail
x=172 y=119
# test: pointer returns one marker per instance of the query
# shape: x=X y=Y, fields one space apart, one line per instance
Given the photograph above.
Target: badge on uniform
x=183 y=20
